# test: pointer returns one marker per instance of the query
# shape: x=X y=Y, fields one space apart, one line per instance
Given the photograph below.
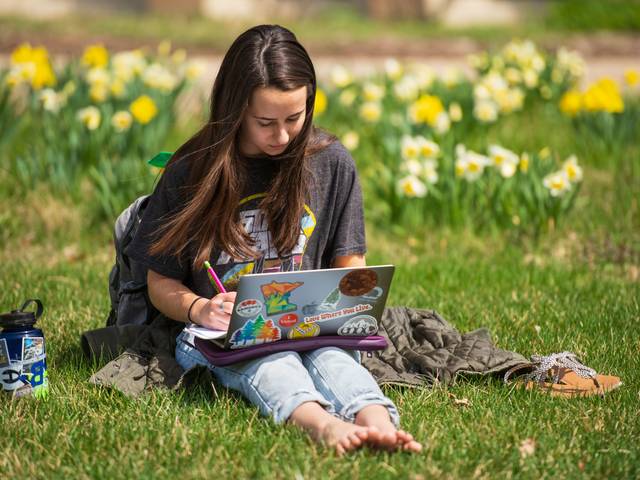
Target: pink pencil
x=215 y=281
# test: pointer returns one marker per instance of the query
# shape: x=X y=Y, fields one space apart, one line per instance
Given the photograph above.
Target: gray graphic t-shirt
x=332 y=223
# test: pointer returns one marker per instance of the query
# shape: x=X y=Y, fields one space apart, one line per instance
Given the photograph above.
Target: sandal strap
x=555 y=363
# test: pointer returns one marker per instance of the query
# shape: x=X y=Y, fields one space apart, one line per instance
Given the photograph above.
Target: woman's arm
x=173 y=299
x=349 y=261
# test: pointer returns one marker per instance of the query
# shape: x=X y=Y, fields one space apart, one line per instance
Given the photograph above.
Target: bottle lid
x=22 y=318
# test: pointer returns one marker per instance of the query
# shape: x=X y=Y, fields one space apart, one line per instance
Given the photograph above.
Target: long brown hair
x=263 y=56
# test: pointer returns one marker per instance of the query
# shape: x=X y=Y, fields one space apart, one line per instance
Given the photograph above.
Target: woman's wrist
x=192 y=312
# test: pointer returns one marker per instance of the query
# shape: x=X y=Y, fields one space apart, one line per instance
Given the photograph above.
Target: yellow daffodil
x=164 y=48
x=545 y=152
x=371 y=111
x=572 y=170
x=90 y=117
x=98 y=92
x=143 y=109
x=179 y=56
x=524 y=163
x=632 y=77
x=426 y=110
x=351 y=140
x=95 y=56
x=603 y=95
x=557 y=183
x=412 y=187
x=321 y=102
x=571 y=103
x=121 y=121
x=31 y=65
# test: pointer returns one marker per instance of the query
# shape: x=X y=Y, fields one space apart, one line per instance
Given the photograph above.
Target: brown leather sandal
x=564 y=375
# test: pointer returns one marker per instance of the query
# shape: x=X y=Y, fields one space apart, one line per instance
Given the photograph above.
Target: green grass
x=586 y=306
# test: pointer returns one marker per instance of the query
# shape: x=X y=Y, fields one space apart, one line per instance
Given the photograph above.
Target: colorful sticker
x=358 y=282
x=288 y=320
x=32 y=348
x=373 y=294
x=249 y=307
x=10 y=376
x=276 y=296
x=255 y=332
x=4 y=353
x=304 y=330
x=344 y=312
x=362 y=325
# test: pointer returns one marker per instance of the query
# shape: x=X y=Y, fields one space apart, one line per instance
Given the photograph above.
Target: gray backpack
x=130 y=302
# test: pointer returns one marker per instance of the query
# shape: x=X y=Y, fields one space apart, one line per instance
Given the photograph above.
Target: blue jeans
x=278 y=383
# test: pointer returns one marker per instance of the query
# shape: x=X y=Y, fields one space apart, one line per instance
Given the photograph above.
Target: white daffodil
x=424 y=75
x=51 y=100
x=98 y=76
x=557 y=183
x=530 y=78
x=347 y=97
x=443 y=124
x=431 y=171
x=413 y=166
x=393 y=68
x=451 y=77
x=351 y=140
x=128 y=64
x=90 y=116
x=470 y=164
x=371 y=111
x=455 y=112
x=572 y=170
x=427 y=148
x=500 y=155
x=407 y=88
x=340 y=76
x=372 y=92
x=121 y=120
x=485 y=110
x=194 y=69
x=409 y=147
x=156 y=76
x=411 y=186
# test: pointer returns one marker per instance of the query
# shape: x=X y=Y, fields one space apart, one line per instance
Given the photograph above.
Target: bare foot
x=382 y=432
x=343 y=436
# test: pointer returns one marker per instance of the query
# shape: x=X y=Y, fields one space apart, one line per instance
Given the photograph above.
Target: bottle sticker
x=4 y=353
x=32 y=349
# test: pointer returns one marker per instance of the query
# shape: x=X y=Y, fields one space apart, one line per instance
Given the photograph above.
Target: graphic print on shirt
x=257 y=226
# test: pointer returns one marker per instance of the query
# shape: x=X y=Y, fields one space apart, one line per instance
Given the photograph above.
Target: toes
x=354 y=439
x=412 y=446
x=362 y=434
x=340 y=451
x=404 y=437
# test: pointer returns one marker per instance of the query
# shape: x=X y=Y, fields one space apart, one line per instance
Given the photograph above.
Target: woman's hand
x=214 y=313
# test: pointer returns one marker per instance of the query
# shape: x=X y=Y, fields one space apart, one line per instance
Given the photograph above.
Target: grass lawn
x=581 y=299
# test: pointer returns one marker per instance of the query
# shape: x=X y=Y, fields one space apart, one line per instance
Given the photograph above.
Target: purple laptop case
x=221 y=357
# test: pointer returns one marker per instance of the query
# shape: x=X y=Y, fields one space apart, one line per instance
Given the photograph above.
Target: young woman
x=260 y=189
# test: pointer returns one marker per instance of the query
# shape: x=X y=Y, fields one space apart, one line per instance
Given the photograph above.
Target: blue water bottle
x=23 y=358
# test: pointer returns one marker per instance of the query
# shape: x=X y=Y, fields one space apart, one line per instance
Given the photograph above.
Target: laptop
x=280 y=306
